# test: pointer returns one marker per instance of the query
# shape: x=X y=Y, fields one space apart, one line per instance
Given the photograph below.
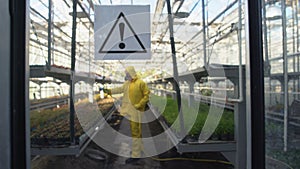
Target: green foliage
x=273 y=130
x=206 y=92
x=107 y=91
x=225 y=127
x=158 y=102
x=277 y=108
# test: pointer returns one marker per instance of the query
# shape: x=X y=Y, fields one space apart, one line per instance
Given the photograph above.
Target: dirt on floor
x=86 y=161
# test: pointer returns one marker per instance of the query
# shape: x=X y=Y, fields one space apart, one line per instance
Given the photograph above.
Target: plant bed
x=155 y=129
x=51 y=127
x=223 y=132
x=53 y=98
x=278 y=108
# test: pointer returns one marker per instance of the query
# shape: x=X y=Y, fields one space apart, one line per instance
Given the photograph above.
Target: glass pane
x=210 y=54
x=281 y=56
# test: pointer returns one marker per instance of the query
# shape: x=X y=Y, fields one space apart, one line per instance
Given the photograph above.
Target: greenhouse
x=213 y=83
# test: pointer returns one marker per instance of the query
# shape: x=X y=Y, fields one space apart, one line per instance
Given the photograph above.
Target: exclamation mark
x=121 y=27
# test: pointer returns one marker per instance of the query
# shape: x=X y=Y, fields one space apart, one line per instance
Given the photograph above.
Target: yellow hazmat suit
x=135 y=97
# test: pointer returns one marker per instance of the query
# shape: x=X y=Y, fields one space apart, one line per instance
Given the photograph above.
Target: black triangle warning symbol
x=122 y=46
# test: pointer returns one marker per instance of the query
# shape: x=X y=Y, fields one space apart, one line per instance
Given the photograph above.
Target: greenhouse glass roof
x=221 y=41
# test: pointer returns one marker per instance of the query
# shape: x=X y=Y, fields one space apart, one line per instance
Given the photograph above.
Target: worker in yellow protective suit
x=135 y=97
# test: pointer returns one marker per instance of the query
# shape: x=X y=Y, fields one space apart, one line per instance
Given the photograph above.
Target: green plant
x=277 y=108
x=224 y=130
x=206 y=92
x=273 y=130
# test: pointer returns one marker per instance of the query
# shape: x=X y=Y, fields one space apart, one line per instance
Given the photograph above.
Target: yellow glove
x=137 y=106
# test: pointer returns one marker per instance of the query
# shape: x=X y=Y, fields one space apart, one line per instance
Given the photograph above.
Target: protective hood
x=131 y=71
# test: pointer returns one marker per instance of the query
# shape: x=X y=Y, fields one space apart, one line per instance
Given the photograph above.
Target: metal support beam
x=222 y=13
x=285 y=75
x=72 y=150
x=204 y=32
x=255 y=86
x=19 y=83
x=297 y=44
x=165 y=30
x=72 y=83
x=240 y=126
x=175 y=71
x=86 y=13
x=207 y=147
x=49 y=33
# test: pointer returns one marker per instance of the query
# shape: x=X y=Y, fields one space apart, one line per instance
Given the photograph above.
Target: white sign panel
x=122 y=32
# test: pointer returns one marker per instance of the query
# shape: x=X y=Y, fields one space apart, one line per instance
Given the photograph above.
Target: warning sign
x=122 y=45
x=122 y=32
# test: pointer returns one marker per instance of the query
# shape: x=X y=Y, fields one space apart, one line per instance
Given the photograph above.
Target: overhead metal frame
x=205 y=26
x=54 y=41
x=158 y=15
